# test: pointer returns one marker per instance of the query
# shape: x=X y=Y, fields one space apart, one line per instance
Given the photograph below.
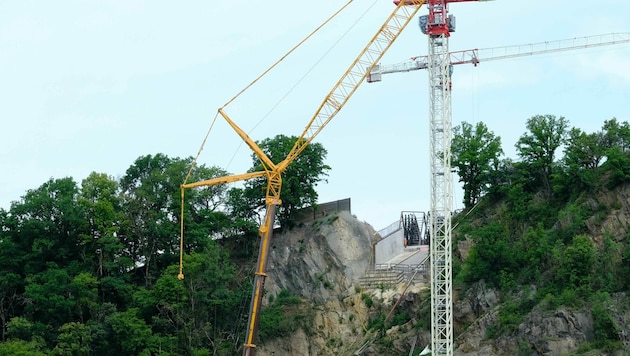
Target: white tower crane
x=438 y=25
x=478 y=55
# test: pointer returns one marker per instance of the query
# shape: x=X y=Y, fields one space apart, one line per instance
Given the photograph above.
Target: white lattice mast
x=438 y=25
x=441 y=185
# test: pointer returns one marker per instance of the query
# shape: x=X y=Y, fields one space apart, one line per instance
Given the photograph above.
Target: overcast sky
x=91 y=85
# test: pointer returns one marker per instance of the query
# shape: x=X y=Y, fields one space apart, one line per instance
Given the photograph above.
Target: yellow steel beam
x=254 y=147
x=225 y=179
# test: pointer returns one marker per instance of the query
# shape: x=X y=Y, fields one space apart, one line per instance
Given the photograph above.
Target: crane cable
x=305 y=74
x=287 y=54
x=180 y=276
x=194 y=162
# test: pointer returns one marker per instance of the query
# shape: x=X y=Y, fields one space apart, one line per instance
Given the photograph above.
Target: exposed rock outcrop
x=321 y=261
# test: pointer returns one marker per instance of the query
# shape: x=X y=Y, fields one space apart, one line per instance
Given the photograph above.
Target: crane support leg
x=265 y=232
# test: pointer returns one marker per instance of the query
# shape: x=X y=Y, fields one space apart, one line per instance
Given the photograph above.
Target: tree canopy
x=476 y=152
x=87 y=269
x=91 y=268
x=538 y=146
x=298 y=181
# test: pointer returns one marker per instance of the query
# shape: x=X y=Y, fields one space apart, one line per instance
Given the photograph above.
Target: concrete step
x=383 y=277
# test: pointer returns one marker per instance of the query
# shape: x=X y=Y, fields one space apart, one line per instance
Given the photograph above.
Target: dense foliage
x=298 y=183
x=534 y=227
x=91 y=268
x=476 y=152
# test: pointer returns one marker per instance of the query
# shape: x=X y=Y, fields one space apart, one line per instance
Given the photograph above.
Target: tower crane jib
x=476 y=56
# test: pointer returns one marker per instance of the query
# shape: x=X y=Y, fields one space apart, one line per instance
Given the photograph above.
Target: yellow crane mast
x=331 y=105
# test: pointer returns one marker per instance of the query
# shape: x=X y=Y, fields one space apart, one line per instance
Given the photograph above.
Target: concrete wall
x=389 y=247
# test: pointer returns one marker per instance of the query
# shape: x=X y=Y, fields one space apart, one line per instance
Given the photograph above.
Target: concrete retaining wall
x=389 y=247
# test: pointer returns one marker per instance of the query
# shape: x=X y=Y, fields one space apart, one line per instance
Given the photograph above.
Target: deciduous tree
x=151 y=202
x=101 y=246
x=298 y=181
x=476 y=152
x=537 y=147
x=583 y=154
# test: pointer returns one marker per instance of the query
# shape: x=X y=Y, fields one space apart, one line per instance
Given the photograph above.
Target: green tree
x=11 y=274
x=298 y=181
x=74 y=339
x=21 y=348
x=131 y=334
x=48 y=296
x=204 y=309
x=583 y=154
x=24 y=338
x=584 y=151
x=537 y=147
x=241 y=234
x=578 y=261
x=20 y=328
x=84 y=292
x=151 y=202
x=10 y=286
x=47 y=223
x=69 y=281
x=493 y=256
x=604 y=326
x=617 y=146
x=616 y=134
x=207 y=209
x=476 y=153
x=101 y=247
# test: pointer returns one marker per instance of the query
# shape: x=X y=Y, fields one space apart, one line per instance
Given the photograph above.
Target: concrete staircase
x=386 y=278
x=413 y=263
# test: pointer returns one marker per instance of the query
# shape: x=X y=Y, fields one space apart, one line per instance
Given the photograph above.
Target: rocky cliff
x=322 y=262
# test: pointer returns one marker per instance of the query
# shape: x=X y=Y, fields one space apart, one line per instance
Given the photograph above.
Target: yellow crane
x=331 y=105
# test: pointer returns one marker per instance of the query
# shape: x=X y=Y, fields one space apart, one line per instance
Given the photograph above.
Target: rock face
x=557 y=332
x=552 y=333
x=478 y=300
x=322 y=263
x=617 y=221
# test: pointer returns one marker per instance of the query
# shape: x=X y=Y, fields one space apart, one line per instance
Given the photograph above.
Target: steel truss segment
x=356 y=74
x=438 y=65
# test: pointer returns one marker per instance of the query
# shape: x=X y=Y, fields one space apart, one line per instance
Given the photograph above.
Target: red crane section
x=438 y=22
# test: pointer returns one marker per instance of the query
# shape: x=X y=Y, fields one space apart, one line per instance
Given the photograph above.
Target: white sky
x=91 y=85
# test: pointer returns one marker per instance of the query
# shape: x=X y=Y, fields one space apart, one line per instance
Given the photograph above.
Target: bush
x=367 y=299
x=284 y=316
x=606 y=331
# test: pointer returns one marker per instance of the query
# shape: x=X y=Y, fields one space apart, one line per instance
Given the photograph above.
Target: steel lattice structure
x=441 y=195
x=439 y=64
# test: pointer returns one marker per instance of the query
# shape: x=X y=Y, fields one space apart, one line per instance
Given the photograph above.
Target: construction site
x=430 y=232
x=396 y=177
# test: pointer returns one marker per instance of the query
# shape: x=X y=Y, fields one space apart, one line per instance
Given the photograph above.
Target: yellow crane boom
x=331 y=105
